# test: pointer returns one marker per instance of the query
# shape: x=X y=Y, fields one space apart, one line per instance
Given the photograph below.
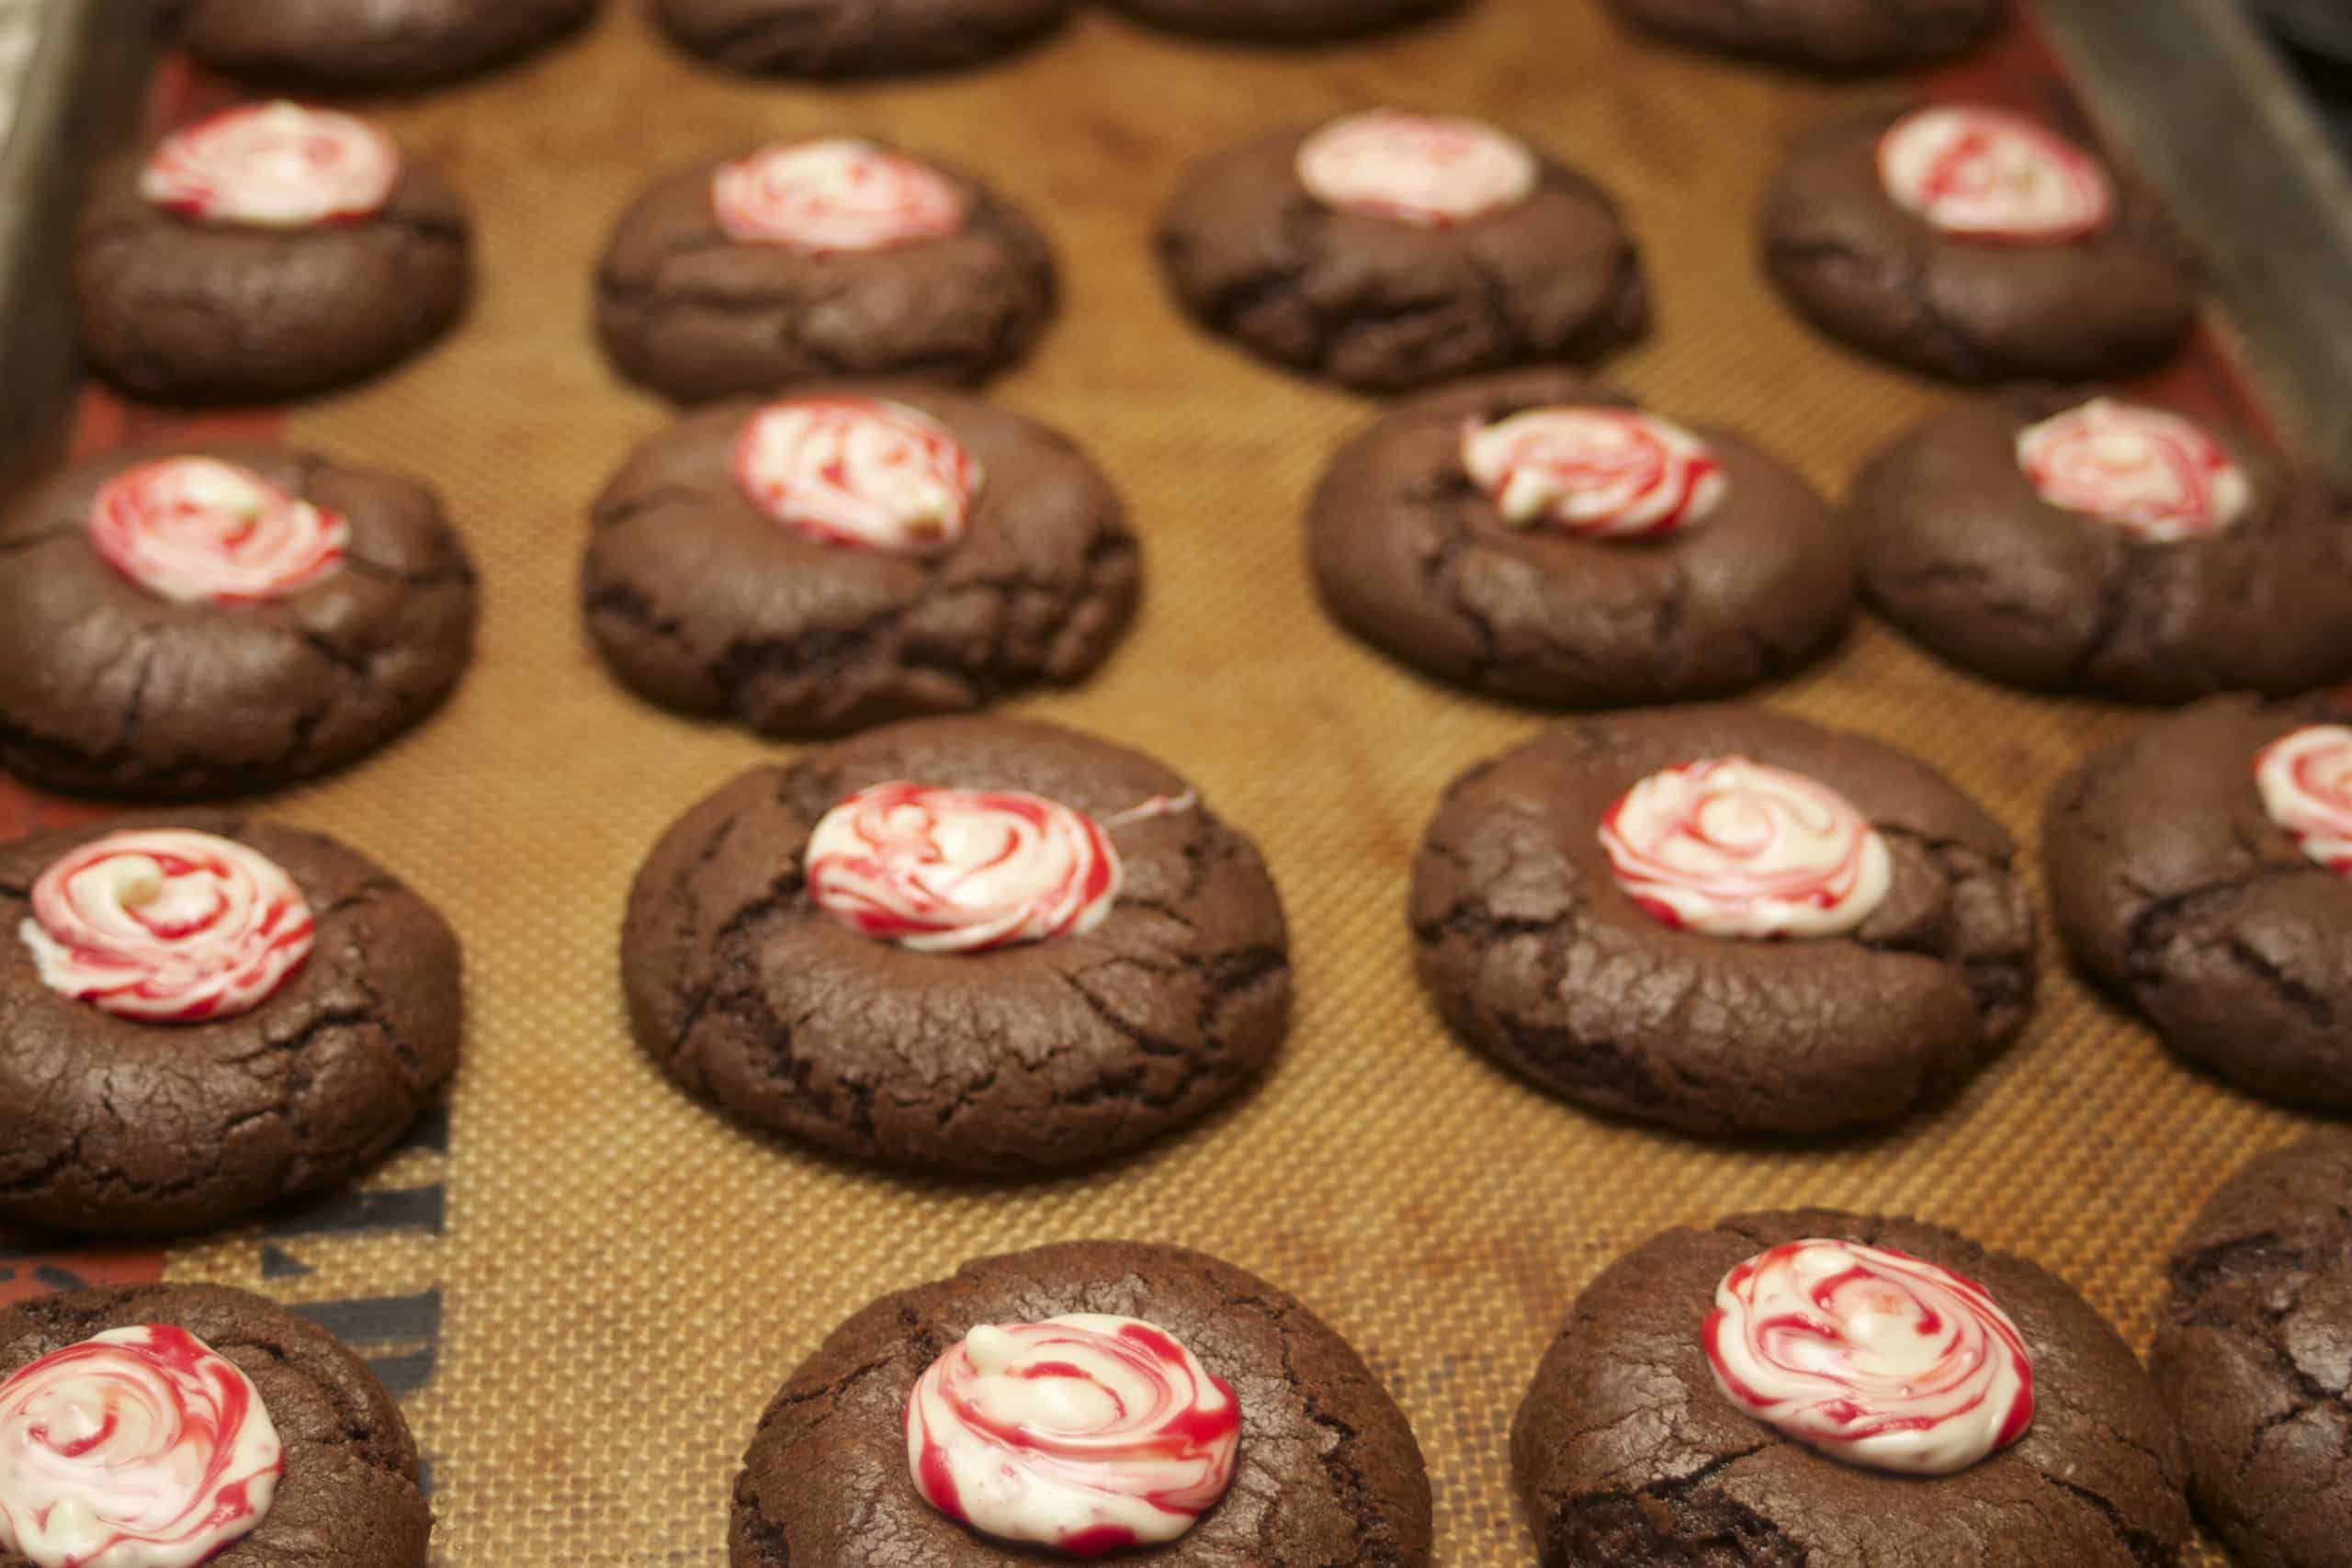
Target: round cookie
x=2251 y=1351
x=1328 y=1473
x=2066 y=295
x=1283 y=21
x=1022 y=1058
x=348 y=1493
x=855 y=37
x=1962 y=550
x=291 y=1082
x=1821 y=35
x=1627 y=1453
x=190 y=288
x=1539 y=955
x=794 y=281
x=701 y=599
x=2175 y=886
x=110 y=686
x=1689 y=572
x=1458 y=250
x=370 y=43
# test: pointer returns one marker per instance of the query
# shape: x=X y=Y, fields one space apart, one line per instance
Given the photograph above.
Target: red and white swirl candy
x=863 y=472
x=191 y=529
x=2150 y=472
x=1872 y=1356
x=1431 y=171
x=140 y=1449
x=832 y=195
x=274 y=166
x=1989 y=174
x=167 y=926
x=1600 y=471
x=2305 y=781
x=1730 y=847
x=1087 y=1434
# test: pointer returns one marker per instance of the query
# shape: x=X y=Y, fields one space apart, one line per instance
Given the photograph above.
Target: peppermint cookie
x=831 y=561
x=1843 y=1392
x=1722 y=920
x=1282 y=21
x=2198 y=870
x=167 y=1425
x=1821 y=35
x=1083 y=1399
x=855 y=37
x=189 y=624
x=1527 y=537
x=352 y=44
x=828 y=256
x=965 y=944
x=1976 y=243
x=2081 y=543
x=271 y=252
x=1388 y=250
x=202 y=1015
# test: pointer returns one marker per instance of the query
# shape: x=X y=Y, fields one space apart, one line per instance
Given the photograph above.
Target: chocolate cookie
x=1974 y=244
x=826 y=563
x=2052 y=541
x=370 y=43
x=1282 y=21
x=2196 y=870
x=201 y=1015
x=855 y=37
x=1821 y=35
x=348 y=1491
x=206 y=623
x=790 y=954
x=1325 y=1474
x=1526 y=536
x=210 y=268
x=1629 y=1450
x=1387 y=251
x=835 y=256
x=1722 y=920
x=2254 y=1356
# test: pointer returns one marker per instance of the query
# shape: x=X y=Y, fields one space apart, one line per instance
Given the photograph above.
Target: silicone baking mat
x=586 y=1286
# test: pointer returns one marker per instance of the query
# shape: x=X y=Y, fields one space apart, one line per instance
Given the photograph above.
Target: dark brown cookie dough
x=1863 y=269
x=106 y=688
x=1283 y=21
x=1329 y=1474
x=1626 y=1454
x=1005 y=1062
x=855 y=37
x=695 y=315
x=1538 y=958
x=700 y=601
x=179 y=310
x=2173 y=887
x=1821 y=35
x=2254 y=1356
x=1385 y=306
x=110 y=1125
x=1960 y=553
x=1412 y=555
x=370 y=43
x=349 y=1494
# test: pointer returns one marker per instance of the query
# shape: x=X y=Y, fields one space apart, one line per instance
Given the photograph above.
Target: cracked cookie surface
x=349 y=1493
x=1625 y=1452
x=1412 y=555
x=1821 y=35
x=856 y=38
x=1329 y=1474
x=1385 y=306
x=1539 y=959
x=370 y=43
x=1015 y=1061
x=109 y=1124
x=1283 y=21
x=108 y=689
x=2173 y=887
x=698 y=600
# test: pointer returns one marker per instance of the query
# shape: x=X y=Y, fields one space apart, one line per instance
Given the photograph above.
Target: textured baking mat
x=587 y=1286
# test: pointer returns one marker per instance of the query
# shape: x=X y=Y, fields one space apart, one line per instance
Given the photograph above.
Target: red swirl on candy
x=1603 y=471
x=139 y=1448
x=1431 y=171
x=1872 y=1356
x=190 y=529
x=863 y=472
x=2305 y=781
x=1989 y=174
x=1088 y=1433
x=2150 y=472
x=834 y=194
x=167 y=926
x=274 y=166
